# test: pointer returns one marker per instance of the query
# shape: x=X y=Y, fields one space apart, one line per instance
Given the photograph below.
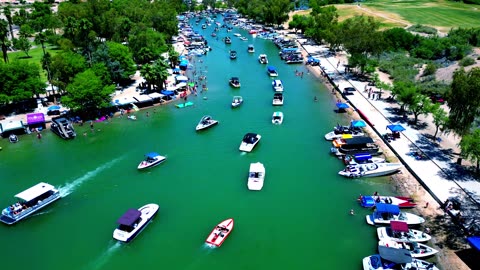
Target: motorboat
x=272 y=71
x=151 y=160
x=204 y=26
x=399 y=231
x=371 y=201
x=277 y=118
x=357 y=145
x=13 y=138
x=370 y=169
x=228 y=40
x=237 y=34
x=233 y=55
x=30 y=201
x=277 y=85
x=249 y=141
x=417 y=250
x=132 y=117
x=206 y=122
x=376 y=262
x=262 y=58
x=234 y=82
x=250 y=48
x=361 y=158
x=339 y=130
x=277 y=99
x=220 y=233
x=63 y=128
x=256 y=176
x=243 y=38
x=237 y=101
x=214 y=34
x=134 y=221
x=385 y=213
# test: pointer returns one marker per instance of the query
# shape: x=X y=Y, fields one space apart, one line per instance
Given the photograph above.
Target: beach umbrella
x=54 y=108
x=396 y=128
x=358 y=123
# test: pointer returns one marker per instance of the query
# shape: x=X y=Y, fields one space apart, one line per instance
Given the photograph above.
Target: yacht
x=206 y=122
x=277 y=85
x=133 y=221
x=29 y=201
x=234 y=82
x=250 y=48
x=63 y=128
x=370 y=169
x=262 y=58
x=277 y=99
x=277 y=118
x=272 y=71
x=256 y=176
x=249 y=141
x=357 y=145
x=339 y=130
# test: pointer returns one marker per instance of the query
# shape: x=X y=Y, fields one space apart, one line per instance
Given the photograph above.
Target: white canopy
x=142 y=98
x=10 y=125
x=181 y=78
x=155 y=95
x=180 y=85
x=125 y=100
x=34 y=192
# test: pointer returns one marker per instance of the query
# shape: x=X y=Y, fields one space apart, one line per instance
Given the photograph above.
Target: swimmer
x=352 y=212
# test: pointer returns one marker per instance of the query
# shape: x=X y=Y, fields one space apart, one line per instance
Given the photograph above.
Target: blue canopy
x=396 y=128
x=183 y=63
x=362 y=157
x=129 y=218
x=167 y=93
x=271 y=68
x=358 y=123
x=54 y=108
x=367 y=201
x=388 y=208
x=474 y=241
x=152 y=154
x=342 y=105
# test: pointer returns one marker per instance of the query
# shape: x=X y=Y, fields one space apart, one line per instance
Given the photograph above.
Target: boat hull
x=9 y=220
x=256 y=176
x=409 y=218
x=203 y=127
x=218 y=235
x=145 y=165
x=386 y=233
x=148 y=213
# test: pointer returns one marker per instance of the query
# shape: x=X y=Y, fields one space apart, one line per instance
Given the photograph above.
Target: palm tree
x=172 y=56
x=161 y=72
x=148 y=73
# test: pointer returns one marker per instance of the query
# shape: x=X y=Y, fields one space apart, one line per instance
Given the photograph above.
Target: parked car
x=437 y=98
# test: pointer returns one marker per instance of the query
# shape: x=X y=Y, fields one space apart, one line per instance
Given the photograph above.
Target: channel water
x=300 y=220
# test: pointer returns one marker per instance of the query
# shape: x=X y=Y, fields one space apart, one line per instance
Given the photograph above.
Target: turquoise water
x=300 y=220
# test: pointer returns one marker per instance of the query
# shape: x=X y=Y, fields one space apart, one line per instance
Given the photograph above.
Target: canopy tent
x=129 y=218
x=35 y=118
x=181 y=78
x=396 y=128
x=167 y=93
x=399 y=226
x=126 y=100
x=6 y=126
x=358 y=123
x=474 y=241
x=155 y=95
x=181 y=85
x=342 y=105
x=142 y=98
x=388 y=208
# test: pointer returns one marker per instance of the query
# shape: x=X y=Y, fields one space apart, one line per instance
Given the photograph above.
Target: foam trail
x=103 y=258
x=41 y=213
x=68 y=188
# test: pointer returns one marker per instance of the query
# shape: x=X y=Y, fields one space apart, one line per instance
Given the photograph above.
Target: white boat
x=376 y=262
x=370 y=169
x=206 y=122
x=243 y=38
x=277 y=118
x=272 y=71
x=385 y=213
x=237 y=34
x=277 y=99
x=250 y=48
x=13 y=138
x=417 y=250
x=361 y=158
x=339 y=131
x=371 y=201
x=29 y=201
x=220 y=233
x=249 y=141
x=132 y=117
x=134 y=221
x=234 y=82
x=399 y=231
x=151 y=160
x=277 y=85
x=256 y=176
x=237 y=101
x=262 y=58
x=63 y=128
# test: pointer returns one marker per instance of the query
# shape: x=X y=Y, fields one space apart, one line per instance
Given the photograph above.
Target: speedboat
x=417 y=250
x=134 y=221
x=361 y=158
x=132 y=117
x=256 y=176
x=206 y=122
x=235 y=82
x=13 y=138
x=237 y=101
x=237 y=34
x=277 y=85
x=339 y=130
x=29 y=201
x=262 y=58
x=249 y=141
x=371 y=201
x=277 y=118
x=63 y=128
x=370 y=169
x=399 y=231
x=376 y=262
x=272 y=71
x=220 y=233
x=233 y=55
x=204 y=26
x=385 y=213
x=151 y=160
x=357 y=145
x=250 y=48
x=277 y=99
x=243 y=38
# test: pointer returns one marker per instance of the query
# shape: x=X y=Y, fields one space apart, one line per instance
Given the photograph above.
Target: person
x=39 y=135
x=352 y=212
x=375 y=193
x=148 y=114
x=315 y=99
x=91 y=125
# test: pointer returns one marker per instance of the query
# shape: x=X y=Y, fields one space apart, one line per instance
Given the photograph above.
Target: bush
x=430 y=69
x=422 y=29
x=467 y=61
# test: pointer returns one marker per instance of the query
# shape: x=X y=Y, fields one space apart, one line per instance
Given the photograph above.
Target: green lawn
x=36 y=55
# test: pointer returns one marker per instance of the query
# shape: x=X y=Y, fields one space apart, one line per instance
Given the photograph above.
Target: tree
x=405 y=92
x=421 y=104
x=464 y=100
x=65 y=66
x=22 y=44
x=440 y=119
x=4 y=39
x=20 y=81
x=470 y=147
x=172 y=56
x=87 y=92
x=155 y=73
x=8 y=15
x=118 y=59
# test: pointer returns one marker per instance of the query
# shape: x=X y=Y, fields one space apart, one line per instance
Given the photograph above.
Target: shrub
x=430 y=69
x=422 y=29
x=467 y=61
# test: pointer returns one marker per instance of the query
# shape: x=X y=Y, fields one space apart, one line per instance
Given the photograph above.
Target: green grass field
x=36 y=55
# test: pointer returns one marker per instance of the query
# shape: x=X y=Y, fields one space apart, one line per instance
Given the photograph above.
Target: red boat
x=220 y=233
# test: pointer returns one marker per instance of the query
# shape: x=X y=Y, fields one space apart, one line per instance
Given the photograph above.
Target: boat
x=277 y=118
x=249 y=141
x=417 y=250
x=256 y=176
x=204 y=26
x=206 y=122
x=262 y=58
x=294 y=59
x=134 y=221
x=151 y=160
x=184 y=105
x=243 y=38
x=389 y=258
x=361 y=158
x=371 y=201
x=399 y=231
x=357 y=145
x=277 y=85
x=63 y=128
x=385 y=213
x=272 y=71
x=250 y=48
x=228 y=40
x=237 y=101
x=277 y=99
x=13 y=138
x=370 y=169
x=339 y=130
x=29 y=201
x=233 y=55
x=237 y=34
x=234 y=82
x=220 y=233
x=132 y=117
x=214 y=34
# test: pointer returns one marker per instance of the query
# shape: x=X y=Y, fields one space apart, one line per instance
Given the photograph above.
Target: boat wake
x=209 y=246
x=68 y=188
x=41 y=213
x=103 y=258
